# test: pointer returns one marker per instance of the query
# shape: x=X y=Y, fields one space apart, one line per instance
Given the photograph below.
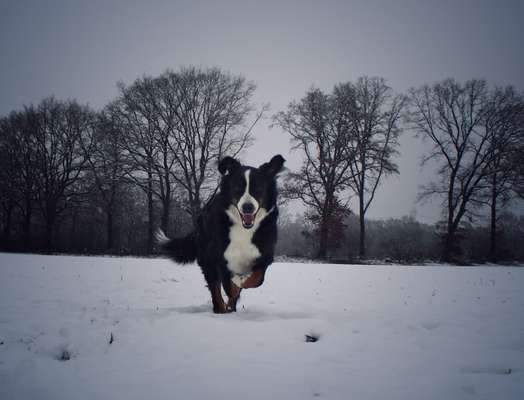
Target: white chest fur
x=241 y=253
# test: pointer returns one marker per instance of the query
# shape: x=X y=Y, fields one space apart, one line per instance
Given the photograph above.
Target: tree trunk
x=26 y=225
x=164 y=222
x=493 y=221
x=72 y=235
x=450 y=231
x=110 y=222
x=150 y=213
x=327 y=212
x=362 y=222
x=166 y=203
x=49 y=230
x=323 y=240
x=448 y=242
x=8 y=222
x=109 y=229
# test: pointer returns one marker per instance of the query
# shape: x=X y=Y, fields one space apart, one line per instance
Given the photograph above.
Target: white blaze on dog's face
x=247 y=205
x=247 y=197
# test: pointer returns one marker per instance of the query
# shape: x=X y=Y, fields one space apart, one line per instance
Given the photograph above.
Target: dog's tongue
x=248 y=219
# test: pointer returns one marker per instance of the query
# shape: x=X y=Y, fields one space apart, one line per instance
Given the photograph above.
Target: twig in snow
x=311 y=338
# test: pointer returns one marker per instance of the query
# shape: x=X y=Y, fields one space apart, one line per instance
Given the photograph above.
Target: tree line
x=101 y=181
x=152 y=149
x=403 y=240
x=349 y=139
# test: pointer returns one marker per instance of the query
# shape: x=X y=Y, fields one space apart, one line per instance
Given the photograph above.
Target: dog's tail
x=182 y=250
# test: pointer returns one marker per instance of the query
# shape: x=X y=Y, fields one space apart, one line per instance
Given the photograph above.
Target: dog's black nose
x=248 y=208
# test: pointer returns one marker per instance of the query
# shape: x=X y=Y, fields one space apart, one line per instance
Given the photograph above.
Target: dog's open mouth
x=248 y=220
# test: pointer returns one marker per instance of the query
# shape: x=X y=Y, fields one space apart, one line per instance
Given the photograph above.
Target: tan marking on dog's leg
x=255 y=279
x=219 y=307
x=235 y=295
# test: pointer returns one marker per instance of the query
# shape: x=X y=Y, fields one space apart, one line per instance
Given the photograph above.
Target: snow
x=384 y=332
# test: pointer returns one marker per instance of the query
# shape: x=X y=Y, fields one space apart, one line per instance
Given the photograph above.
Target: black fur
x=209 y=241
x=182 y=250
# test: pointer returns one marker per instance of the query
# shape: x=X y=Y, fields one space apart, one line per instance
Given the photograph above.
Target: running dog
x=234 y=240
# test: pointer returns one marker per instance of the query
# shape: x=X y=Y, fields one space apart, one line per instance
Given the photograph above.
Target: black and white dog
x=236 y=233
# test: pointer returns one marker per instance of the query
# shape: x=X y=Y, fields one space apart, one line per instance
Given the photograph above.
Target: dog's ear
x=274 y=166
x=228 y=165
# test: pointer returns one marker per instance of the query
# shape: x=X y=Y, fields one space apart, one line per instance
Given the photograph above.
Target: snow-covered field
x=385 y=332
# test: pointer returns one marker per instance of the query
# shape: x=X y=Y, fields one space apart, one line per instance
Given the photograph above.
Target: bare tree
x=8 y=177
x=450 y=115
x=103 y=147
x=319 y=131
x=205 y=116
x=137 y=118
x=60 y=158
x=518 y=169
x=504 y=125
x=19 y=171
x=178 y=125
x=516 y=156
x=373 y=114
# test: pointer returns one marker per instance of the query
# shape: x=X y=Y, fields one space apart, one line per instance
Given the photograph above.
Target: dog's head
x=250 y=190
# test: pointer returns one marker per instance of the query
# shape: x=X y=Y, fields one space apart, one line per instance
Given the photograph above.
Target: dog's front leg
x=219 y=307
x=233 y=296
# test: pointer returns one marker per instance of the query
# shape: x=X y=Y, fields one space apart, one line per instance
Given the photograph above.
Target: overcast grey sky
x=80 y=49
